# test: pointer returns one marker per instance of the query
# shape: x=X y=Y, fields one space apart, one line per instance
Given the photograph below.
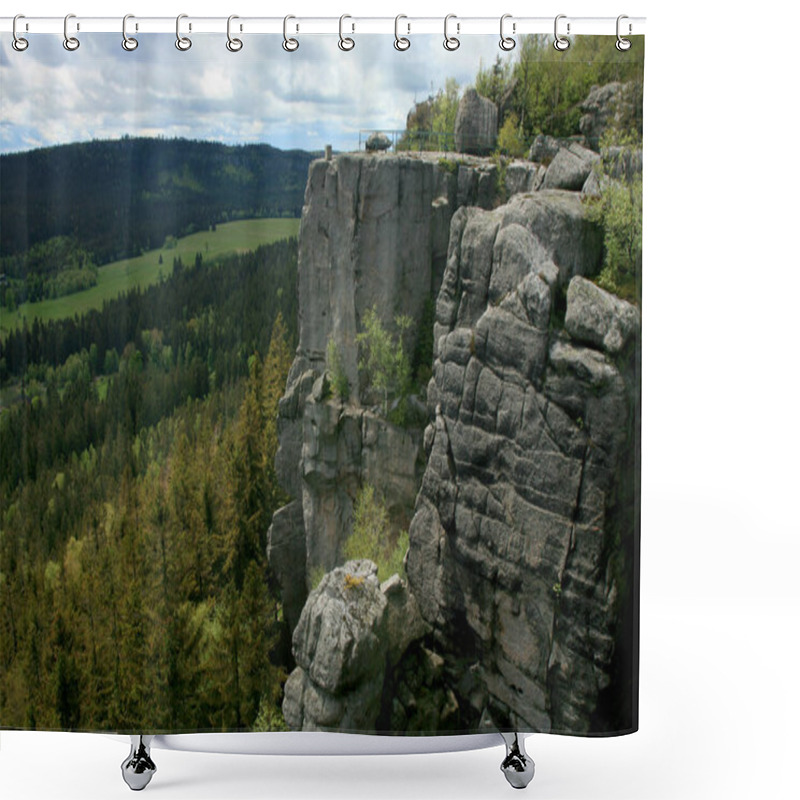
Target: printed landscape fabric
x=320 y=376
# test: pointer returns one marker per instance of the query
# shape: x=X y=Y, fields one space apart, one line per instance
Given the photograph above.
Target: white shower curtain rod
x=404 y=25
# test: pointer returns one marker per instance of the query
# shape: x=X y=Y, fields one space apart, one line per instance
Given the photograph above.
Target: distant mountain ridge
x=119 y=197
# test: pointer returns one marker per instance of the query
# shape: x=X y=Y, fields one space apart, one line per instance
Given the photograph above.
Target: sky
x=314 y=96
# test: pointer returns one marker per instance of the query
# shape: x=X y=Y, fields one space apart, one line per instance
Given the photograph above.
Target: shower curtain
x=320 y=381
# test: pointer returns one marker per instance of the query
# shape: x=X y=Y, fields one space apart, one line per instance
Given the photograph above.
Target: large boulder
x=544 y=149
x=599 y=318
x=378 y=142
x=476 y=124
x=352 y=628
x=570 y=168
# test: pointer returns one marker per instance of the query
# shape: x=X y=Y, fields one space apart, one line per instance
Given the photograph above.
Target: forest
x=136 y=489
x=128 y=195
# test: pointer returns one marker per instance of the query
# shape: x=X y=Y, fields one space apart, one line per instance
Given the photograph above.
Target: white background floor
x=721 y=539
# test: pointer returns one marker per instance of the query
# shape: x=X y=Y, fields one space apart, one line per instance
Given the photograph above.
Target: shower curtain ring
x=234 y=45
x=289 y=45
x=183 y=43
x=19 y=43
x=345 y=43
x=128 y=42
x=70 y=42
x=400 y=42
x=506 y=42
x=561 y=43
x=622 y=44
x=451 y=42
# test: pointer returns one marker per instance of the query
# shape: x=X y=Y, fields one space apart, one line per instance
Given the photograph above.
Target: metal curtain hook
x=400 y=42
x=128 y=42
x=70 y=42
x=19 y=43
x=290 y=45
x=183 y=43
x=345 y=43
x=561 y=43
x=506 y=42
x=234 y=45
x=451 y=42
x=622 y=44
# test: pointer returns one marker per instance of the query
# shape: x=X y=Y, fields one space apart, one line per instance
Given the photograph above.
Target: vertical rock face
x=512 y=522
x=374 y=233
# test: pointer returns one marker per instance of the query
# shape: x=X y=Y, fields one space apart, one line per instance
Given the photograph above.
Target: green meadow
x=120 y=276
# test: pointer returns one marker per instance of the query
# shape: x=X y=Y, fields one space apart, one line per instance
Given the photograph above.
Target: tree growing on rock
x=371 y=537
x=383 y=356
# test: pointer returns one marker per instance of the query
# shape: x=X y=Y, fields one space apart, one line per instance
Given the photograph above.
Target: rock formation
x=342 y=647
x=518 y=495
x=513 y=520
x=374 y=233
x=605 y=106
x=476 y=124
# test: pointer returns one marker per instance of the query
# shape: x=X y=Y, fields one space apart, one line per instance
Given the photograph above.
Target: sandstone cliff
x=517 y=495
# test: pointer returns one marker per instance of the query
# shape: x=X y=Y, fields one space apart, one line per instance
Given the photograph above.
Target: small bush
x=383 y=356
x=339 y=383
x=509 y=139
x=619 y=211
x=371 y=537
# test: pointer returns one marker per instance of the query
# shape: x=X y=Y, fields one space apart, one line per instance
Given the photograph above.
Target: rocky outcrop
x=513 y=495
x=345 y=447
x=605 y=106
x=476 y=124
x=374 y=233
x=352 y=628
x=509 y=541
x=570 y=168
x=599 y=318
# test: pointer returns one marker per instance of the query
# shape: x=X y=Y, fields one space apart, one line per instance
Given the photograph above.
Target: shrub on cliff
x=383 y=357
x=339 y=383
x=371 y=537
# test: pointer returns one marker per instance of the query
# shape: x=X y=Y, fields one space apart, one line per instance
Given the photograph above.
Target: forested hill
x=120 y=197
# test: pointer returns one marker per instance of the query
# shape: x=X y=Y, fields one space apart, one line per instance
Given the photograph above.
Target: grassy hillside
x=119 y=276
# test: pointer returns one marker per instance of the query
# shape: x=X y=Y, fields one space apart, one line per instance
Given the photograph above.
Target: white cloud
x=308 y=98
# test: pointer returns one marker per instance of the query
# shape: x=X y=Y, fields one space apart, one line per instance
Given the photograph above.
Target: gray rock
x=476 y=124
x=351 y=628
x=509 y=495
x=509 y=540
x=605 y=106
x=520 y=177
x=570 y=168
x=377 y=142
x=598 y=317
x=338 y=641
x=286 y=553
x=544 y=149
x=403 y=623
